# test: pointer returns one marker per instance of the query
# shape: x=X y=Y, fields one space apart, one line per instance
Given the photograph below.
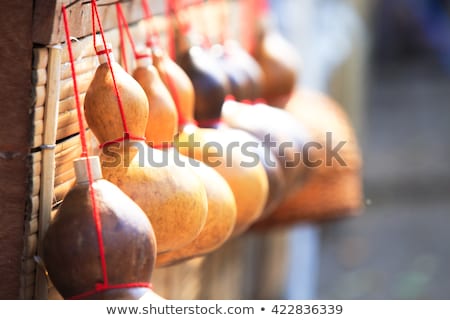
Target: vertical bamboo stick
x=48 y=160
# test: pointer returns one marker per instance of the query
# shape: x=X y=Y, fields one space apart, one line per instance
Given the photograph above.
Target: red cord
x=170 y=9
x=123 y=22
x=152 y=37
x=101 y=288
x=263 y=7
x=96 y=16
x=124 y=138
x=123 y=54
x=96 y=215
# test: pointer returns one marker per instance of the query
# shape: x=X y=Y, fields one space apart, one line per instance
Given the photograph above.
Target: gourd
x=332 y=190
x=280 y=64
x=221 y=216
x=288 y=135
x=71 y=247
x=173 y=198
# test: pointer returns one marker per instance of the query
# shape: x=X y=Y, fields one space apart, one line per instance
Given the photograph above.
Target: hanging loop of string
x=123 y=24
x=171 y=9
x=96 y=18
x=152 y=36
x=95 y=212
x=105 y=285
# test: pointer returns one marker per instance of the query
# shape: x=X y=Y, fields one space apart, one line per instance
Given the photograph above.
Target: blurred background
x=388 y=64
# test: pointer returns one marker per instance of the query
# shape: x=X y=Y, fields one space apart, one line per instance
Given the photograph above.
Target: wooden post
x=15 y=134
x=48 y=160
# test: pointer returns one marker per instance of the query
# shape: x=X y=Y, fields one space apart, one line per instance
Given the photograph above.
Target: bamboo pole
x=48 y=161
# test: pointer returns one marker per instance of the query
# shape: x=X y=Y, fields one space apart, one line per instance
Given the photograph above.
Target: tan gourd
x=162 y=122
x=245 y=174
x=221 y=204
x=288 y=135
x=248 y=208
x=172 y=197
x=332 y=190
x=71 y=247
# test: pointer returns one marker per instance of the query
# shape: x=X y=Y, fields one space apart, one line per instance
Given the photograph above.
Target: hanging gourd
x=334 y=186
x=245 y=78
x=287 y=135
x=100 y=244
x=277 y=57
x=248 y=182
x=72 y=249
x=221 y=204
x=243 y=72
x=173 y=198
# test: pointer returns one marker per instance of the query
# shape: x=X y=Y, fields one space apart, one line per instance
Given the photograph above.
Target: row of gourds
x=191 y=111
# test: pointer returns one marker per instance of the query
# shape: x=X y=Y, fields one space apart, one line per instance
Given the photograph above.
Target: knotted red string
x=97 y=220
x=96 y=17
x=171 y=8
x=123 y=24
x=152 y=36
x=100 y=287
x=153 y=39
x=126 y=137
x=123 y=55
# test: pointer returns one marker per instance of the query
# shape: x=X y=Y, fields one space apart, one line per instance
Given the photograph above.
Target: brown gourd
x=71 y=248
x=279 y=61
x=332 y=190
x=221 y=203
x=244 y=73
x=173 y=198
x=249 y=184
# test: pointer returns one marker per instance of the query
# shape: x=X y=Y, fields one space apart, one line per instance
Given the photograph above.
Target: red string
x=123 y=22
x=95 y=212
x=263 y=7
x=170 y=9
x=152 y=37
x=96 y=16
x=101 y=288
x=123 y=53
x=124 y=138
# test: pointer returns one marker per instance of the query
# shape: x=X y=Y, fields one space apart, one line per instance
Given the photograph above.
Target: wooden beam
x=47 y=22
x=15 y=135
